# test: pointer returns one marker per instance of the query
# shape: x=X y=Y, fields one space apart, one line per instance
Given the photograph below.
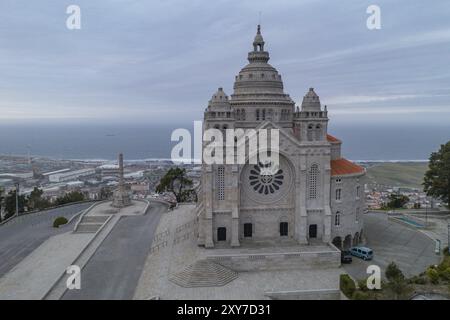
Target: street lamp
x=17 y=199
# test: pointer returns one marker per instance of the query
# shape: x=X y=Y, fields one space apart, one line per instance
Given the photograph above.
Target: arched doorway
x=337 y=241
x=348 y=242
x=356 y=239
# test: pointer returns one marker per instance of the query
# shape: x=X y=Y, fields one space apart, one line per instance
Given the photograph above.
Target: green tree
x=437 y=179
x=397 y=283
x=397 y=200
x=10 y=203
x=176 y=182
x=35 y=200
x=73 y=196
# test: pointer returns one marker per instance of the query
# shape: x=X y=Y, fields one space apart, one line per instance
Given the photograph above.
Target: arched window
x=263 y=114
x=358 y=190
x=337 y=219
x=243 y=114
x=338 y=194
x=318 y=132
x=238 y=114
x=257 y=114
x=310 y=132
x=313 y=176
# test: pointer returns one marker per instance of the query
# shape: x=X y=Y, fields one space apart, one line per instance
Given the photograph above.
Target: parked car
x=346 y=257
x=362 y=252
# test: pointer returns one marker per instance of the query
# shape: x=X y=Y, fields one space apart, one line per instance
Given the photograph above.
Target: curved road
x=114 y=270
x=21 y=236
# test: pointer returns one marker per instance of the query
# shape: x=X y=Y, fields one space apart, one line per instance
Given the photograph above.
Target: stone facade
x=315 y=195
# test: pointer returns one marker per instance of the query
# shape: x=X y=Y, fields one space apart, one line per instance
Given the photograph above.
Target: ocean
x=387 y=142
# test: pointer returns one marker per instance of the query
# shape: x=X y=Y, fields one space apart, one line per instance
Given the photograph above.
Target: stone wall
x=279 y=261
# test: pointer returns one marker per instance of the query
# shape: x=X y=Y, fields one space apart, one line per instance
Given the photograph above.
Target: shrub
x=445 y=274
x=433 y=275
x=347 y=285
x=362 y=285
x=418 y=280
x=59 y=222
x=446 y=252
x=394 y=273
x=361 y=295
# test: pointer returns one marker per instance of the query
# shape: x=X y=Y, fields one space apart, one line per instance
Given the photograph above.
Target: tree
x=393 y=272
x=74 y=196
x=10 y=203
x=437 y=179
x=35 y=200
x=397 y=283
x=176 y=182
x=397 y=200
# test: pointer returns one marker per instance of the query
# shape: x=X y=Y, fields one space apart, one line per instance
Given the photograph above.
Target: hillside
x=401 y=174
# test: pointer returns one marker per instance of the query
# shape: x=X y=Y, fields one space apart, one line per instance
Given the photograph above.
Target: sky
x=160 y=61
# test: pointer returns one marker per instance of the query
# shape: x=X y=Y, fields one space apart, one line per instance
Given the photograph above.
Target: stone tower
x=121 y=197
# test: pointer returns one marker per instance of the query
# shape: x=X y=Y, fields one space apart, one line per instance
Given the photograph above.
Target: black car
x=346 y=257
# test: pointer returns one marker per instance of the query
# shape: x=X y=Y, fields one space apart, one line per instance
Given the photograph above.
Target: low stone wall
x=279 y=261
x=322 y=294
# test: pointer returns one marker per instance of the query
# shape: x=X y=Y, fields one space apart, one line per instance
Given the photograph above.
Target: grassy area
x=401 y=174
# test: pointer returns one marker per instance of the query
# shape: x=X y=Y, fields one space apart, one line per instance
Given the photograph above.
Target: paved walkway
x=31 y=278
x=114 y=270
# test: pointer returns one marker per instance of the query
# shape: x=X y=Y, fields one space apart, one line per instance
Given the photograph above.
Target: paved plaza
x=410 y=249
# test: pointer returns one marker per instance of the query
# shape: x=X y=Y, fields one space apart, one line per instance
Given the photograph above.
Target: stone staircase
x=90 y=224
x=204 y=273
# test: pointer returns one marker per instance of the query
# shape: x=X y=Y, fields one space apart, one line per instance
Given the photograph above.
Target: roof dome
x=258 y=80
x=311 y=101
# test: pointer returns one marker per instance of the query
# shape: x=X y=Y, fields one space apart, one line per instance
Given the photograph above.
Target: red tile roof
x=330 y=138
x=342 y=166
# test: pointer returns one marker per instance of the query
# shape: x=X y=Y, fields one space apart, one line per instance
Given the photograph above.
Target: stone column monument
x=121 y=197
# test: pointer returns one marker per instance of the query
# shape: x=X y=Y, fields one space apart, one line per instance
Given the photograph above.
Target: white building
x=315 y=196
x=71 y=175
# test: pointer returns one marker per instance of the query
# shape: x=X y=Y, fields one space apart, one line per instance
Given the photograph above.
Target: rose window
x=264 y=179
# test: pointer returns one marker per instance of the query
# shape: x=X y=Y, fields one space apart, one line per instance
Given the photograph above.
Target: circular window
x=264 y=180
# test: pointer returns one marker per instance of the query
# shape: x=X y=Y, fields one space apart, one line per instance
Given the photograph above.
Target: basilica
x=316 y=196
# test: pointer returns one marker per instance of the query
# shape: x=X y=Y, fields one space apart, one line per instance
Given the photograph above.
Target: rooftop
x=343 y=166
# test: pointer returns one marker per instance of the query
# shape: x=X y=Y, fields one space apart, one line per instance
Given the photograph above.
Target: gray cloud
x=160 y=61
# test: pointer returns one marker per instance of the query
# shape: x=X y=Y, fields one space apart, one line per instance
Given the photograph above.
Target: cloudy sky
x=160 y=61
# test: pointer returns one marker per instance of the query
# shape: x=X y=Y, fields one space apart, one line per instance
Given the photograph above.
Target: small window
x=248 y=230
x=358 y=191
x=284 y=229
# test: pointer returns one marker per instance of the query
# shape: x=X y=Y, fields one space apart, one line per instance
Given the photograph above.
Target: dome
x=258 y=80
x=311 y=101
